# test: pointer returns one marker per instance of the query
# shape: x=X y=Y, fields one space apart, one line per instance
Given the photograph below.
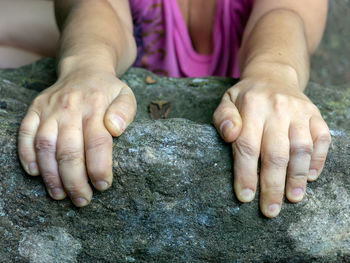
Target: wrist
x=88 y=63
x=274 y=72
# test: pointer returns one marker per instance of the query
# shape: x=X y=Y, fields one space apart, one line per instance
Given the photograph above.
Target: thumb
x=227 y=119
x=121 y=112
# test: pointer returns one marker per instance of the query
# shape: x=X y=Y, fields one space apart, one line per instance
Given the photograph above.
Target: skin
x=264 y=115
x=28 y=35
x=71 y=121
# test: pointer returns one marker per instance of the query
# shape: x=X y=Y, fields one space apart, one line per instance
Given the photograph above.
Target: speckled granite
x=172 y=197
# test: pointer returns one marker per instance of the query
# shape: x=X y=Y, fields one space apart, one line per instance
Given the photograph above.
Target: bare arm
x=266 y=114
x=95 y=33
x=284 y=33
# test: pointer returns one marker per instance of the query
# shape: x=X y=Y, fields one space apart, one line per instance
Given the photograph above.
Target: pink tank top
x=164 y=45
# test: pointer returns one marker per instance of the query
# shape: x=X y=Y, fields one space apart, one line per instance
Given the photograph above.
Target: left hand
x=274 y=120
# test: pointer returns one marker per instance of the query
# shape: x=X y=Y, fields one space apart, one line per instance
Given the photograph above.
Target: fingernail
x=273 y=210
x=313 y=174
x=119 y=122
x=246 y=195
x=297 y=192
x=57 y=193
x=101 y=185
x=226 y=127
x=80 y=201
x=33 y=168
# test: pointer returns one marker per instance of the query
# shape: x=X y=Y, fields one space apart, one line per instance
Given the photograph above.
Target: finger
x=274 y=161
x=98 y=152
x=45 y=146
x=71 y=162
x=121 y=112
x=246 y=150
x=321 y=141
x=26 y=138
x=301 y=147
x=227 y=119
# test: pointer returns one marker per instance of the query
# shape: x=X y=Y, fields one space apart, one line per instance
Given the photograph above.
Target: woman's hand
x=66 y=135
x=276 y=121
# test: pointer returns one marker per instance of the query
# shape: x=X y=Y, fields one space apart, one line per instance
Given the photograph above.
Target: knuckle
x=249 y=98
x=45 y=145
x=299 y=175
x=74 y=190
x=324 y=136
x=25 y=131
x=319 y=159
x=50 y=179
x=37 y=101
x=98 y=98
x=71 y=99
x=279 y=103
x=127 y=91
x=70 y=155
x=273 y=189
x=313 y=108
x=275 y=159
x=305 y=148
x=231 y=94
x=246 y=149
x=251 y=102
x=98 y=142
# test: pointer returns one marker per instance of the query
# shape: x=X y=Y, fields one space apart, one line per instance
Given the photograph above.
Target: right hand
x=66 y=135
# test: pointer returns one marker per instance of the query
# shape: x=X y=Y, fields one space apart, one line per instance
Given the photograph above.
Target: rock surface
x=330 y=64
x=172 y=197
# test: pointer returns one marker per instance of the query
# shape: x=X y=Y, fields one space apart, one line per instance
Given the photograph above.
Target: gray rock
x=330 y=64
x=51 y=245
x=172 y=197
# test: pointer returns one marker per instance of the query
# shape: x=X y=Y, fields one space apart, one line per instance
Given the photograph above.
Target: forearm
x=93 y=37
x=277 y=46
x=266 y=116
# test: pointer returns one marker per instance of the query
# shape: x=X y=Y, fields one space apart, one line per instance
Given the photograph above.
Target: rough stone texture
x=331 y=61
x=51 y=245
x=172 y=197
